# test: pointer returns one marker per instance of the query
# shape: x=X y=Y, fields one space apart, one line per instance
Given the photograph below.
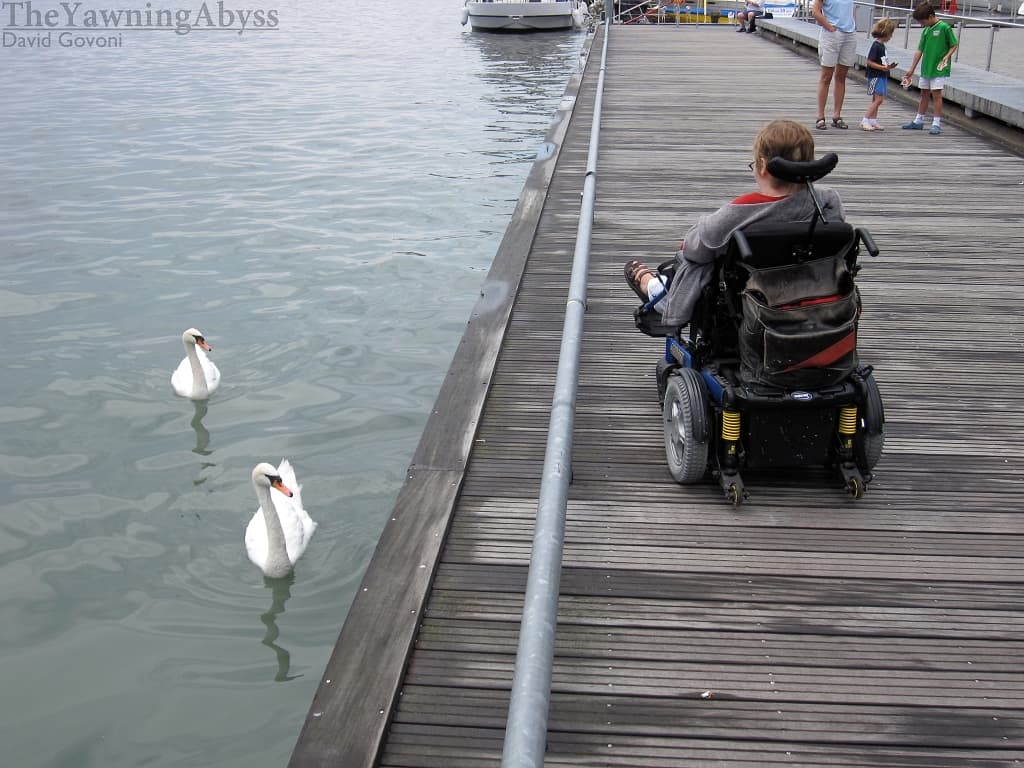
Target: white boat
x=524 y=15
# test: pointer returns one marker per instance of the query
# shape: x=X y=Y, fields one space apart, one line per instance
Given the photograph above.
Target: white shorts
x=837 y=48
x=931 y=83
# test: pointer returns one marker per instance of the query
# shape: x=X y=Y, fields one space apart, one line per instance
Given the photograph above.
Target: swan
x=196 y=376
x=281 y=529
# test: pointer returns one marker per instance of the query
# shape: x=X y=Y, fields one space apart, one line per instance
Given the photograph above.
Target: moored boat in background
x=524 y=15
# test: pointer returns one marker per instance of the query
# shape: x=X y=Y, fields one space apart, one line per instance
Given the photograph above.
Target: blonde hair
x=883 y=28
x=784 y=138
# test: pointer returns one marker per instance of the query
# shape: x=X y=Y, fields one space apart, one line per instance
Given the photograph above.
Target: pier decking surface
x=801 y=629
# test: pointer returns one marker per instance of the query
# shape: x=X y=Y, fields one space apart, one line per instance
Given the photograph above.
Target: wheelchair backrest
x=765 y=245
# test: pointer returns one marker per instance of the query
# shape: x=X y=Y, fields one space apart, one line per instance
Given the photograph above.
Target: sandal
x=821 y=125
x=838 y=122
x=633 y=271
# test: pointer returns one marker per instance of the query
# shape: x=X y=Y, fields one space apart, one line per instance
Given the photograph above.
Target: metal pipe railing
x=527 y=725
x=617 y=17
x=878 y=10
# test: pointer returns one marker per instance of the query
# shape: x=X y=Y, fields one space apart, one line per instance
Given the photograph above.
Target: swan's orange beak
x=202 y=343
x=281 y=487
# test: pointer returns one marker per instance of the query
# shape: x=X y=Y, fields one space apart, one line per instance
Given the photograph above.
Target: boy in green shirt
x=936 y=48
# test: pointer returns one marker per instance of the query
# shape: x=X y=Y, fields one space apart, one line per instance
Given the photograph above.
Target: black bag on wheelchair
x=799 y=324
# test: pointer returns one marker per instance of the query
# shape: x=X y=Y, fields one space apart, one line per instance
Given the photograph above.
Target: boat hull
x=521 y=17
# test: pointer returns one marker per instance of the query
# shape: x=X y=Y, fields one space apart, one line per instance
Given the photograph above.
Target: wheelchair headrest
x=802 y=172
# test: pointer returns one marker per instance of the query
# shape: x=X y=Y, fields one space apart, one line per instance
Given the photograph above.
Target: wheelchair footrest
x=649 y=321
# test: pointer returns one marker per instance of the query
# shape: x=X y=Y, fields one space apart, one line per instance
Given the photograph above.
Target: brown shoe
x=634 y=271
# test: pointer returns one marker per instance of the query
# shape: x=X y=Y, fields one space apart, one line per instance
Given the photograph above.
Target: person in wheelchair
x=775 y=200
x=768 y=376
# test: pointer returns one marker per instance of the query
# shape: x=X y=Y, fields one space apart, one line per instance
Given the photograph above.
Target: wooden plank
x=351 y=706
x=454 y=746
x=638 y=642
x=717 y=717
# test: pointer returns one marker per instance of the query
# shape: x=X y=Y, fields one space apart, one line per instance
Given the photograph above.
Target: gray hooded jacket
x=709 y=236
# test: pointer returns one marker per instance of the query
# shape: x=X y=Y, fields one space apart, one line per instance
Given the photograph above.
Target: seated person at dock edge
x=780 y=201
x=746 y=17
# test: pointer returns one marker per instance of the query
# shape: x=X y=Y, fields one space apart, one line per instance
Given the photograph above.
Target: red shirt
x=752 y=198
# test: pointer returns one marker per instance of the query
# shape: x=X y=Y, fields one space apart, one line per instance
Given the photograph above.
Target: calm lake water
x=323 y=201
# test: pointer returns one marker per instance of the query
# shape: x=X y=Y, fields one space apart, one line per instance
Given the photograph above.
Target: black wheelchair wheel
x=687 y=422
x=870 y=437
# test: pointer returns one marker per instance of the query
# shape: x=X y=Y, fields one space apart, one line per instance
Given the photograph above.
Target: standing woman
x=837 y=50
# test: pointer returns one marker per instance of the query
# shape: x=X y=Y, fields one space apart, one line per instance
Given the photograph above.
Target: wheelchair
x=767 y=376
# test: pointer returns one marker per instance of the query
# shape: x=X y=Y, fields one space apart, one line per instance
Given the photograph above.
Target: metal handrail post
x=527 y=726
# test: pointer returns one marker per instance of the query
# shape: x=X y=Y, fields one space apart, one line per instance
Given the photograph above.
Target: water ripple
x=324 y=203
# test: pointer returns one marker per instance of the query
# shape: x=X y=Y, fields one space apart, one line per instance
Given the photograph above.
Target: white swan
x=196 y=376
x=278 y=533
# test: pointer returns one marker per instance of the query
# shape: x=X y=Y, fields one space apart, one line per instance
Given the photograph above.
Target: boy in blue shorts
x=878 y=66
x=935 y=52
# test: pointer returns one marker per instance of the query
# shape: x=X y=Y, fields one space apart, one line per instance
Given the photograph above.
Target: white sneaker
x=868 y=127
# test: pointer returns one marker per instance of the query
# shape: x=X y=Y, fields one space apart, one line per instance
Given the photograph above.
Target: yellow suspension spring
x=730 y=425
x=848 y=420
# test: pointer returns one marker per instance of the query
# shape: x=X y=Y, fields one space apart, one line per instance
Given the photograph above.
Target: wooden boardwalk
x=803 y=629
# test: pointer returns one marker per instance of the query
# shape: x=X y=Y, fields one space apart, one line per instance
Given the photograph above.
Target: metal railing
x=961 y=21
x=629 y=14
x=868 y=13
x=972 y=15
x=527 y=726
x=646 y=10
x=973 y=9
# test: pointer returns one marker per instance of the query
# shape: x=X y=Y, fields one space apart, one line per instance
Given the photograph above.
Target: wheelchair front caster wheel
x=732 y=486
x=855 y=488
x=734 y=495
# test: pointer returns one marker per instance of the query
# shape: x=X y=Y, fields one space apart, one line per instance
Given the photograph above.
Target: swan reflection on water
x=280 y=590
x=202 y=439
x=202 y=433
